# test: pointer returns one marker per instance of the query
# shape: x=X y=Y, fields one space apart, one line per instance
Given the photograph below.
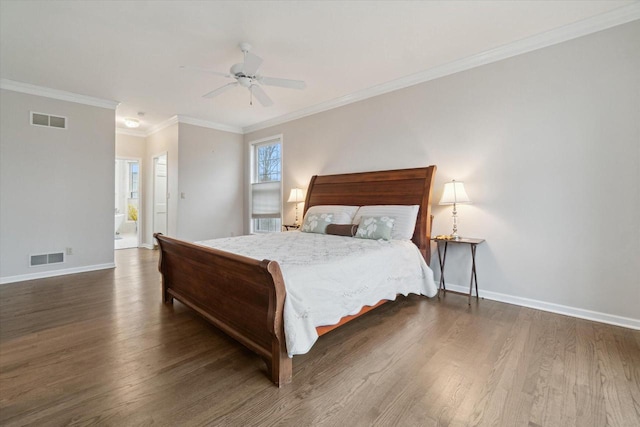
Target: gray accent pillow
x=316 y=223
x=343 y=214
x=405 y=217
x=375 y=227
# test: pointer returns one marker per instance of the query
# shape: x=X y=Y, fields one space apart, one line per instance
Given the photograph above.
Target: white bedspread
x=328 y=277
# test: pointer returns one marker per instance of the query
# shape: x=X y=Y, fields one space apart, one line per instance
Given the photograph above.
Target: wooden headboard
x=391 y=187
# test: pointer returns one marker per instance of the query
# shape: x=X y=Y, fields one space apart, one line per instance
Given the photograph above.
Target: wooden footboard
x=241 y=296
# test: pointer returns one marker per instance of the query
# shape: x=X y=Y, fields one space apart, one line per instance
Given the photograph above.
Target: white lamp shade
x=296 y=195
x=454 y=192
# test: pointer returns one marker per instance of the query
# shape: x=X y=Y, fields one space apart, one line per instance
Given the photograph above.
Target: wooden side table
x=442 y=258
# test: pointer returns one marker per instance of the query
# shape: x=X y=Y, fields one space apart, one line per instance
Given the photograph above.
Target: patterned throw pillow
x=375 y=227
x=317 y=223
x=405 y=216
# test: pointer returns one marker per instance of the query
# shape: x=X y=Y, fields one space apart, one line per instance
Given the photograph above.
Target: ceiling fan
x=246 y=75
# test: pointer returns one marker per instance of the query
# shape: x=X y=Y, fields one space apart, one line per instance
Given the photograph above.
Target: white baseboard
x=54 y=273
x=580 y=313
x=146 y=246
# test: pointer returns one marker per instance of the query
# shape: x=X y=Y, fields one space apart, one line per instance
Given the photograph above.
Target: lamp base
x=297 y=221
x=454 y=233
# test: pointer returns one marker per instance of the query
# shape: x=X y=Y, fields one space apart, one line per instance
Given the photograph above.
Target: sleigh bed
x=245 y=297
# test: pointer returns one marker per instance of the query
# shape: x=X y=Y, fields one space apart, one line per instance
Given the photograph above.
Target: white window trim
x=252 y=175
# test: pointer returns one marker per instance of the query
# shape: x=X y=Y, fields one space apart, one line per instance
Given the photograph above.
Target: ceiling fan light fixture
x=131 y=123
x=244 y=81
x=236 y=69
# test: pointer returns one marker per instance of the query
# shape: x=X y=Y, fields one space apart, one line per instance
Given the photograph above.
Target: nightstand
x=442 y=257
x=289 y=227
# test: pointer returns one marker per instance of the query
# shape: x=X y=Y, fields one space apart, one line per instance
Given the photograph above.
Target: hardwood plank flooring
x=100 y=348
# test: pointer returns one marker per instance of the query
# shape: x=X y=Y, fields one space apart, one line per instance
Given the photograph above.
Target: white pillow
x=342 y=214
x=405 y=216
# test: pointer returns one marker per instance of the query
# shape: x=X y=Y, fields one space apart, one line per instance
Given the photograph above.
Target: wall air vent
x=44 y=259
x=47 y=120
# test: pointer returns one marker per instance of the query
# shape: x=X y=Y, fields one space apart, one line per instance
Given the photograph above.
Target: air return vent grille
x=48 y=120
x=44 y=259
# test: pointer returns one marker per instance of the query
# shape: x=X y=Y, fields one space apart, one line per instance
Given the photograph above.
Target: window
x=133 y=179
x=266 y=192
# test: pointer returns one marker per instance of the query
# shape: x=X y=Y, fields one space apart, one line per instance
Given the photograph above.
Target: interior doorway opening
x=127 y=225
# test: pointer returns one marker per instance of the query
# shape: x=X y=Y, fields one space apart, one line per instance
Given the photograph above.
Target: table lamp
x=296 y=196
x=453 y=194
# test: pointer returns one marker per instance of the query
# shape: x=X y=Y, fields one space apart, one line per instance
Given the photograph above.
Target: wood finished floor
x=100 y=348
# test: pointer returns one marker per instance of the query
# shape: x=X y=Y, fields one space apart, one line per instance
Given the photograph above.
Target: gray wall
x=206 y=165
x=212 y=182
x=56 y=186
x=548 y=144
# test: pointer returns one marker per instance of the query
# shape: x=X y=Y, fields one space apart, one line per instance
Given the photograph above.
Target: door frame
x=140 y=193
x=153 y=193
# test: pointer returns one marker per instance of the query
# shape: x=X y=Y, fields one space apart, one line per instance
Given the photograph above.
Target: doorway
x=127 y=204
x=160 y=211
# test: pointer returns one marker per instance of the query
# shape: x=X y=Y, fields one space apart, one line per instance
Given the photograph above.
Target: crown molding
x=62 y=95
x=131 y=132
x=192 y=121
x=157 y=128
x=207 y=124
x=585 y=27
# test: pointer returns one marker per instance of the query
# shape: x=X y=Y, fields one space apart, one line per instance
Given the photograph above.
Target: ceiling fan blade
x=220 y=90
x=206 y=70
x=259 y=93
x=291 y=84
x=251 y=64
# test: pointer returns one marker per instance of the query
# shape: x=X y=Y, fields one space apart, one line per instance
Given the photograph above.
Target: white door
x=160 y=194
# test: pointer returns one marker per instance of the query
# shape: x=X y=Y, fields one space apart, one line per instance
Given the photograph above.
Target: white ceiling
x=130 y=51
